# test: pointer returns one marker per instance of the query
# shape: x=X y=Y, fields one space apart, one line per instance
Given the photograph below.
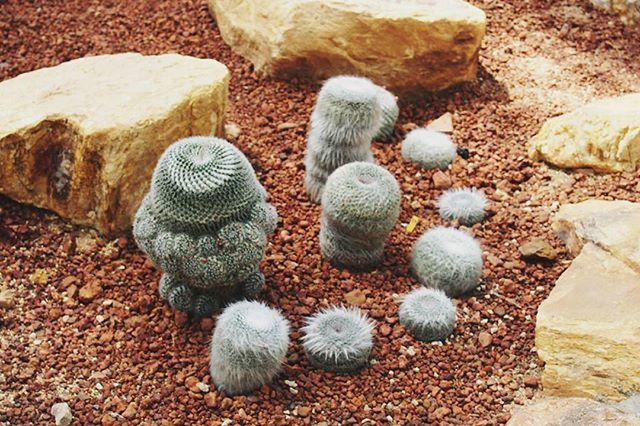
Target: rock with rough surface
x=82 y=138
x=603 y=135
x=551 y=411
x=629 y=10
x=588 y=329
x=62 y=414
x=405 y=45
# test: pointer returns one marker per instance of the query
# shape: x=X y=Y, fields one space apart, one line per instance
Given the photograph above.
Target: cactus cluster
x=465 y=205
x=248 y=347
x=389 y=114
x=429 y=149
x=338 y=339
x=360 y=206
x=345 y=119
x=447 y=259
x=205 y=223
x=428 y=314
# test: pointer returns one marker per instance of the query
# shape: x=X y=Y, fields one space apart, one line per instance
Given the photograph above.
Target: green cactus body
x=429 y=149
x=345 y=118
x=389 y=114
x=248 y=347
x=360 y=206
x=428 y=314
x=205 y=223
x=338 y=339
x=447 y=259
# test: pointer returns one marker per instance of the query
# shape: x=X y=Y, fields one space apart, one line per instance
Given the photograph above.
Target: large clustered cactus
x=428 y=314
x=338 y=339
x=429 y=149
x=360 y=206
x=248 y=347
x=205 y=223
x=465 y=205
x=345 y=118
x=447 y=259
x=389 y=114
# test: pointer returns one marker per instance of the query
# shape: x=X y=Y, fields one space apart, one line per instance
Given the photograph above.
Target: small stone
x=191 y=384
x=304 y=411
x=211 y=400
x=39 y=277
x=130 y=411
x=444 y=123
x=7 y=299
x=537 y=248
x=531 y=381
x=232 y=130
x=441 y=180
x=287 y=126
x=90 y=291
x=499 y=310
x=62 y=414
x=355 y=297
x=202 y=387
x=484 y=339
x=385 y=330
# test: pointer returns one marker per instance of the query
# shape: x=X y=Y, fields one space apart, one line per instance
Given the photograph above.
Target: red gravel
x=89 y=328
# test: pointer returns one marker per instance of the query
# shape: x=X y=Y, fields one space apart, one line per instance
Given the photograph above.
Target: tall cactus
x=205 y=223
x=345 y=119
x=360 y=206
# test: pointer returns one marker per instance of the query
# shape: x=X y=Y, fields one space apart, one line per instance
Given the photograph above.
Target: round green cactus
x=447 y=259
x=248 y=347
x=360 y=206
x=205 y=223
x=389 y=115
x=345 y=118
x=428 y=314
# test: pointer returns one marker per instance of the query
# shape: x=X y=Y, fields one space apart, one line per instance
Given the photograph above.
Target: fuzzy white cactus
x=428 y=314
x=466 y=205
x=429 y=149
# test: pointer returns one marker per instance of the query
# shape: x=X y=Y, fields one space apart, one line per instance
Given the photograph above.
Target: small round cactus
x=465 y=205
x=429 y=149
x=389 y=114
x=205 y=223
x=428 y=314
x=447 y=259
x=248 y=347
x=360 y=206
x=338 y=339
x=345 y=118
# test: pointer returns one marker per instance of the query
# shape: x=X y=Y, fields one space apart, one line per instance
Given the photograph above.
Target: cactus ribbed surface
x=248 y=347
x=338 y=339
x=428 y=314
x=345 y=118
x=205 y=223
x=360 y=206
x=447 y=259
x=389 y=114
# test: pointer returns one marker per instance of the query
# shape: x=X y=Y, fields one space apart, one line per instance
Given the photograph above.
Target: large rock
x=603 y=135
x=571 y=412
x=588 y=329
x=82 y=138
x=406 y=45
x=629 y=10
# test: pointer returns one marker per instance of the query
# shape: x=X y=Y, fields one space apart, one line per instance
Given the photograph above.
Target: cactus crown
x=362 y=197
x=428 y=314
x=338 y=339
x=466 y=205
x=447 y=259
x=429 y=149
x=248 y=347
x=203 y=181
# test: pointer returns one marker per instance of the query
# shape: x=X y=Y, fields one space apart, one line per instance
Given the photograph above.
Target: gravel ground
x=89 y=328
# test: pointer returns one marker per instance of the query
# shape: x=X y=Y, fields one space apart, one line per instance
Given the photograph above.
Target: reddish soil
x=117 y=354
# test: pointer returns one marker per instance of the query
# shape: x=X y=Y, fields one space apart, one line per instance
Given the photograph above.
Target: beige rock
x=612 y=225
x=406 y=45
x=551 y=411
x=82 y=138
x=537 y=248
x=603 y=135
x=629 y=10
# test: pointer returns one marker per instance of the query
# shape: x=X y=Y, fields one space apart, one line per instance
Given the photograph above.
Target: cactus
x=389 y=114
x=338 y=339
x=428 y=314
x=466 y=205
x=447 y=259
x=429 y=149
x=248 y=347
x=360 y=206
x=345 y=118
x=205 y=223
